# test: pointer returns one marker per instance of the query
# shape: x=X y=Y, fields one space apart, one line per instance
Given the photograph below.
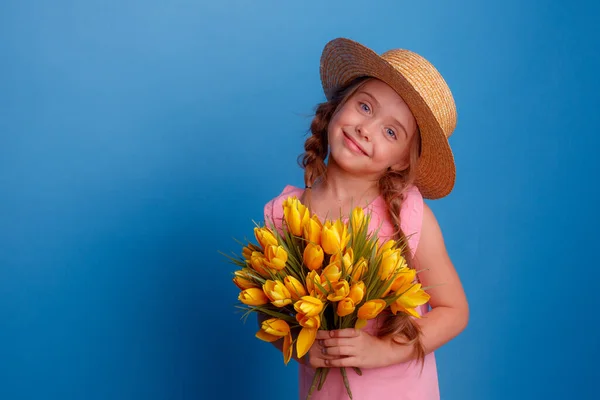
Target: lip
x=358 y=146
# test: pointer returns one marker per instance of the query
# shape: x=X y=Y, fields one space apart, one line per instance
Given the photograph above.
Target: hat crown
x=428 y=83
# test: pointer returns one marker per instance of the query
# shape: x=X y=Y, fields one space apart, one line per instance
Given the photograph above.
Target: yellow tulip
x=340 y=290
x=248 y=250
x=257 y=262
x=401 y=264
x=247 y=253
x=334 y=237
x=388 y=245
x=296 y=215
x=243 y=280
x=332 y=273
x=357 y=217
x=403 y=283
x=357 y=292
x=405 y=277
x=274 y=329
x=253 y=297
x=287 y=348
x=295 y=287
x=345 y=307
x=371 y=309
x=346 y=260
x=265 y=237
x=313 y=256
x=312 y=279
x=313 y=322
x=277 y=293
x=409 y=300
x=267 y=337
x=305 y=340
x=308 y=333
x=392 y=260
x=315 y=287
x=276 y=257
x=312 y=230
x=359 y=270
x=309 y=305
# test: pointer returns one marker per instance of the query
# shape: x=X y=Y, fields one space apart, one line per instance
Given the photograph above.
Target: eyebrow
x=379 y=105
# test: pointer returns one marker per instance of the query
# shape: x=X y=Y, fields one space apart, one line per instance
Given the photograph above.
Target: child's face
x=372 y=131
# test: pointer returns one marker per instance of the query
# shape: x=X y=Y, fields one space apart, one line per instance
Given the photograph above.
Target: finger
x=341 y=362
x=337 y=333
x=338 y=351
x=344 y=333
x=323 y=352
x=337 y=342
x=318 y=352
x=321 y=334
x=318 y=360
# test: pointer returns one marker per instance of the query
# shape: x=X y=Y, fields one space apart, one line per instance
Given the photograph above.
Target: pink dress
x=407 y=381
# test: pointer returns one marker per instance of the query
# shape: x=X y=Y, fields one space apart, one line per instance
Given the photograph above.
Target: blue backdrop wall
x=139 y=138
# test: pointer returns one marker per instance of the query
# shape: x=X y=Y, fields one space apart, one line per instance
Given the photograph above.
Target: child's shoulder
x=274 y=208
x=411 y=216
x=413 y=201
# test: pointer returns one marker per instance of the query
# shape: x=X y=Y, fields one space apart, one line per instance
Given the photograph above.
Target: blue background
x=139 y=138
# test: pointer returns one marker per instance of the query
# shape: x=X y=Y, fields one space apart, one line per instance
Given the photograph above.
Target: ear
x=400 y=166
x=403 y=164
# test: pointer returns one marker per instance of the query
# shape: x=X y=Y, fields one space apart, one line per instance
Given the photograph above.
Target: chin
x=349 y=165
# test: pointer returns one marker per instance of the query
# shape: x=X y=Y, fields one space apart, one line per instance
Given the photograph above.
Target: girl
x=384 y=132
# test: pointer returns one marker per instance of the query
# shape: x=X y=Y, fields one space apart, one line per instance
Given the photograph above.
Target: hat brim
x=344 y=60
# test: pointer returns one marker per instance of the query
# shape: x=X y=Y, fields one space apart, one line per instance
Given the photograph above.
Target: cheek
x=333 y=127
x=391 y=154
x=343 y=115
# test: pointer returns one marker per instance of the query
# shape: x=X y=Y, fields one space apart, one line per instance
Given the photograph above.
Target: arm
x=448 y=317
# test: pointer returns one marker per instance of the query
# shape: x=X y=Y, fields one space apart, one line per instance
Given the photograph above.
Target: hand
x=355 y=348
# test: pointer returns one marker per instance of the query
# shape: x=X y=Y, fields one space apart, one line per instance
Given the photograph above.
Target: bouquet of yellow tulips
x=312 y=275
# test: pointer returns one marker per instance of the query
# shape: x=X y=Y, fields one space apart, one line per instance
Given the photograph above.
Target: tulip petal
x=306 y=338
x=287 y=348
x=276 y=327
x=395 y=308
x=267 y=337
x=360 y=323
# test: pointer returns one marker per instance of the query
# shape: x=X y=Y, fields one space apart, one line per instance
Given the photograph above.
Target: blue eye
x=391 y=133
x=365 y=107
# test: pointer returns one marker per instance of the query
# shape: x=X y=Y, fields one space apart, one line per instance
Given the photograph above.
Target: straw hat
x=422 y=88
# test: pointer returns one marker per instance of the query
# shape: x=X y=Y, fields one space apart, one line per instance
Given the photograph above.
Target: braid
x=316 y=147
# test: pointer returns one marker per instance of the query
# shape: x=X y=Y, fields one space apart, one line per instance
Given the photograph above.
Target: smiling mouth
x=355 y=146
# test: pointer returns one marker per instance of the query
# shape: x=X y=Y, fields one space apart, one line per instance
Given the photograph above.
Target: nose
x=363 y=132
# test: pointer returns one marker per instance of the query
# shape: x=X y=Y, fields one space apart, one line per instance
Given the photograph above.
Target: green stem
x=323 y=377
x=316 y=378
x=346 y=382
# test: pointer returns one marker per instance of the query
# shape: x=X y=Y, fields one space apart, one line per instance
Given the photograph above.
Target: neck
x=345 y=186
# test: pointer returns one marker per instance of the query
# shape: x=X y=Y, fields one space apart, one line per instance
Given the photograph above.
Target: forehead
x=383 y=93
